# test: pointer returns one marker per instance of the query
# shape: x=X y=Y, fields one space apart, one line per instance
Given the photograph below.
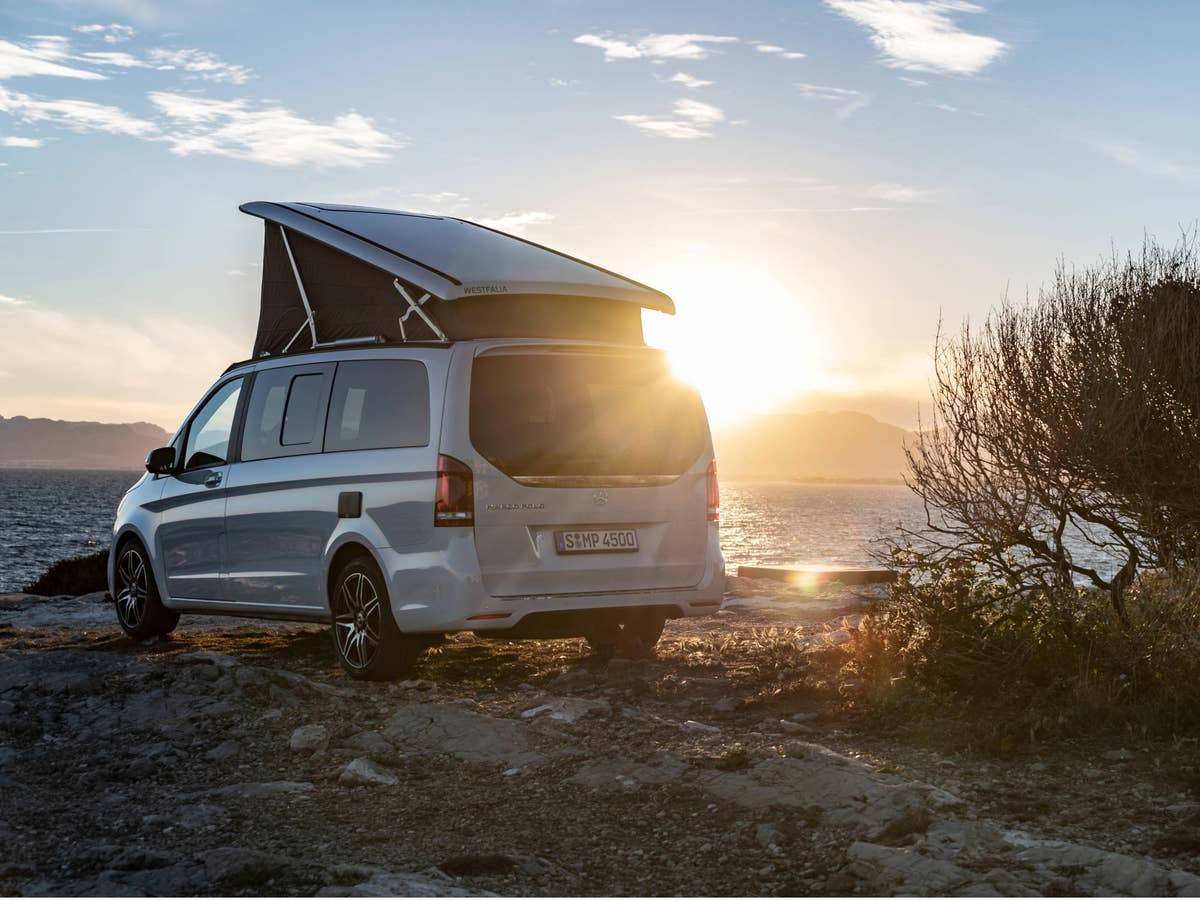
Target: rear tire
x=633 y=636
x=366 y=639
x=140 y=610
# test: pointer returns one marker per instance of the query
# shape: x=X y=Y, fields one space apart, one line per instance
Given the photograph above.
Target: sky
x=817 y=183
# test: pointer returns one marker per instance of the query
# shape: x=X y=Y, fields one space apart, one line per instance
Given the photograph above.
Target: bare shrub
x=1064 y=431
x=1073 y=417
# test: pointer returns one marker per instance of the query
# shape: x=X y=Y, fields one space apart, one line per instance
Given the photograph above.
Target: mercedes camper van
x=411 y=470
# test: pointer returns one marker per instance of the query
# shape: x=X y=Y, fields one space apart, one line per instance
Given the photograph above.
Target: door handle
x=213 y=479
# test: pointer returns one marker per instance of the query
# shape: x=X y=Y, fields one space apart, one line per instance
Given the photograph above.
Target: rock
x=789 y=727
x=467 y=735
x=260 y=790
x=392 y=884
x=371 y=743
x=568 y=709
x=768 y=836
x=136 y=858
x=199 y=815
x=240 y=867
x=847 y=792
x=1090 y=871
x=625 y=774
x=914 y=821
x=891 y=870
x=364 y=771
x=692 y=725
x=220 y=660
x=572 y=679
x=308 y=738
x=223 y=751
x=1117 y=755
x=725 y=705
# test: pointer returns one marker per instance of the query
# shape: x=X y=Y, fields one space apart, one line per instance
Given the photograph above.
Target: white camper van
x=442 y=428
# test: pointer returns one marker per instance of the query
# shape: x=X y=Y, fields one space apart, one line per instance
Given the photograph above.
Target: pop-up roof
x=345 y=272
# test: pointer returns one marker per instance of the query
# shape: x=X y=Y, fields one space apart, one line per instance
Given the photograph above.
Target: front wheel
x=365 y=637
x=140 y=609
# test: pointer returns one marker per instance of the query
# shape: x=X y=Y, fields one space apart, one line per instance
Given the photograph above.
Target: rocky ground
x=235 y=758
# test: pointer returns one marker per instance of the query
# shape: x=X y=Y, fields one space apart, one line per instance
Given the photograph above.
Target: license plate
x=599 y=540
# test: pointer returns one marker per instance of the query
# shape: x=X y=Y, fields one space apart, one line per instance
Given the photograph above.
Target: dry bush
x=1022 y=666
x=1065 y=423
x=78 y=575
x=1075 y=415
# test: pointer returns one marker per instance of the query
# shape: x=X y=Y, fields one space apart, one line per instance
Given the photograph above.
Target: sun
x=747 y=342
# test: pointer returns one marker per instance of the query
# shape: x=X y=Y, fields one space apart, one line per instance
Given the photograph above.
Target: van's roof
x=454 y=258
x=298 y=357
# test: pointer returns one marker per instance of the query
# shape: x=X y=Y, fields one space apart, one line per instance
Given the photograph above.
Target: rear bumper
x=444 y=592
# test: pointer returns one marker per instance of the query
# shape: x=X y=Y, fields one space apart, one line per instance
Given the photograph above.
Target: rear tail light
x=454 y=503
x=714 y=494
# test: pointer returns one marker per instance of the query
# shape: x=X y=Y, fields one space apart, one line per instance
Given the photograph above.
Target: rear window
x=546 y=414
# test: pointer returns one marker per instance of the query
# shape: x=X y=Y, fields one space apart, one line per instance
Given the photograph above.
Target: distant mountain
x=51 y=443
x=823 y=446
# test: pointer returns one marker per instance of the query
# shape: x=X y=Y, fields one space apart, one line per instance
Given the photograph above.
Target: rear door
x=590 y=471
x=278 y=517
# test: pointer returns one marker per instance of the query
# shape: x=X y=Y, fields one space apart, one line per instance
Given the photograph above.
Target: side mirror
x=161 y=461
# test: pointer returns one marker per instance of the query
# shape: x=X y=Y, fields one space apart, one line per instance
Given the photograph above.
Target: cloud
x=518 y=222
x=563 y=82
x=12 y=301
x=65 y=366
x=118 y=58
x=1143 y=159
x=901 y=193
x=44 y=56
x=849 y=100
x=31 y=143
x=51 y=54
x=921 y=35
x=691 y=120
x=200 y=64
x=656 y=46
x=269 y=134
x=688 y=81
x=112 y=34
x=914 y=82
x=782 y=52
x=78 y=115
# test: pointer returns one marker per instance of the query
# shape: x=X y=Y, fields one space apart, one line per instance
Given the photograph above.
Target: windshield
x=568 y=414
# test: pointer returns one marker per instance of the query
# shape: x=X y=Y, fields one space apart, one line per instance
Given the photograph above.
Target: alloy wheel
x=357 y=622
x=133 y=588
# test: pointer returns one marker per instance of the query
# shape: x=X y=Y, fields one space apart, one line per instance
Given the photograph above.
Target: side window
x=210 y=429
x=378 y=403
x=286 y=412
x=305 y=402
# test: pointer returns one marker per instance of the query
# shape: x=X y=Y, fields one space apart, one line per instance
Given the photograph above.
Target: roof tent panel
x=382 y=258
x=483 y=260
x=453 y=258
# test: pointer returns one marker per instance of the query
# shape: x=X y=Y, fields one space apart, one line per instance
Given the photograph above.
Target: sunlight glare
x=747 y=342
